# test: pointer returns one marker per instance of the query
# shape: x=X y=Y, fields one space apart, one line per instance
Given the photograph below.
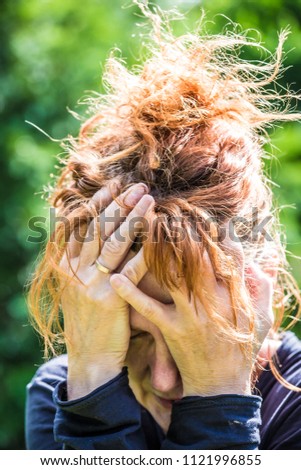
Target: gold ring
x=102 y=268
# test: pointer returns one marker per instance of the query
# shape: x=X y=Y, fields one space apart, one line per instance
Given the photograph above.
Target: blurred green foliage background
x=51 y=53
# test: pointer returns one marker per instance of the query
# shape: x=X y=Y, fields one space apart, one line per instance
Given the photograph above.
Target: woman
x=167 y=274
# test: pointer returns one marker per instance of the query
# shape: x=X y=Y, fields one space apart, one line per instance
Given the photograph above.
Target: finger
x=76 y=241
x=148 y=307
x=207 y=280
x=68 y=267
x=117 y=246
x=101 y=227
x=115 y=213
x=135 y=269
x=92 y=245
x=101 y=198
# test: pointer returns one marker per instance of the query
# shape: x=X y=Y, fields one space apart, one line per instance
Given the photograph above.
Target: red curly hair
x=190 y=124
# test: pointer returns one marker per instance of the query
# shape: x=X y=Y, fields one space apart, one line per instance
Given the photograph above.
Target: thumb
x=148 y=307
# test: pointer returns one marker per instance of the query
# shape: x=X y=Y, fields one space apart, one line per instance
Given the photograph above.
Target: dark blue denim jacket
x=111 y=418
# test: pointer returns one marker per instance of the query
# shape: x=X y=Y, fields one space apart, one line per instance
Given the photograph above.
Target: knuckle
x=148 y=310
x=106 y=297
x=153 y=312
x=112 y=246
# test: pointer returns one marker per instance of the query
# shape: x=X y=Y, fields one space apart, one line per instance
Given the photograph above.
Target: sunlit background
x=51 y=55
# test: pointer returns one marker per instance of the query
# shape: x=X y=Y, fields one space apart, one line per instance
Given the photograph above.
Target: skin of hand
x=96 y=318
x=208 y=364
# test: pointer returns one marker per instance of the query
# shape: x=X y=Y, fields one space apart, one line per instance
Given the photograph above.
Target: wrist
x=214 y=389
x=83 y=380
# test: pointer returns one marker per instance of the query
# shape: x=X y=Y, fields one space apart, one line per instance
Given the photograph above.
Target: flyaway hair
x=191 y=123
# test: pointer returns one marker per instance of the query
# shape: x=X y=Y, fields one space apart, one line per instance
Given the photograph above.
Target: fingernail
x=135 y=194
